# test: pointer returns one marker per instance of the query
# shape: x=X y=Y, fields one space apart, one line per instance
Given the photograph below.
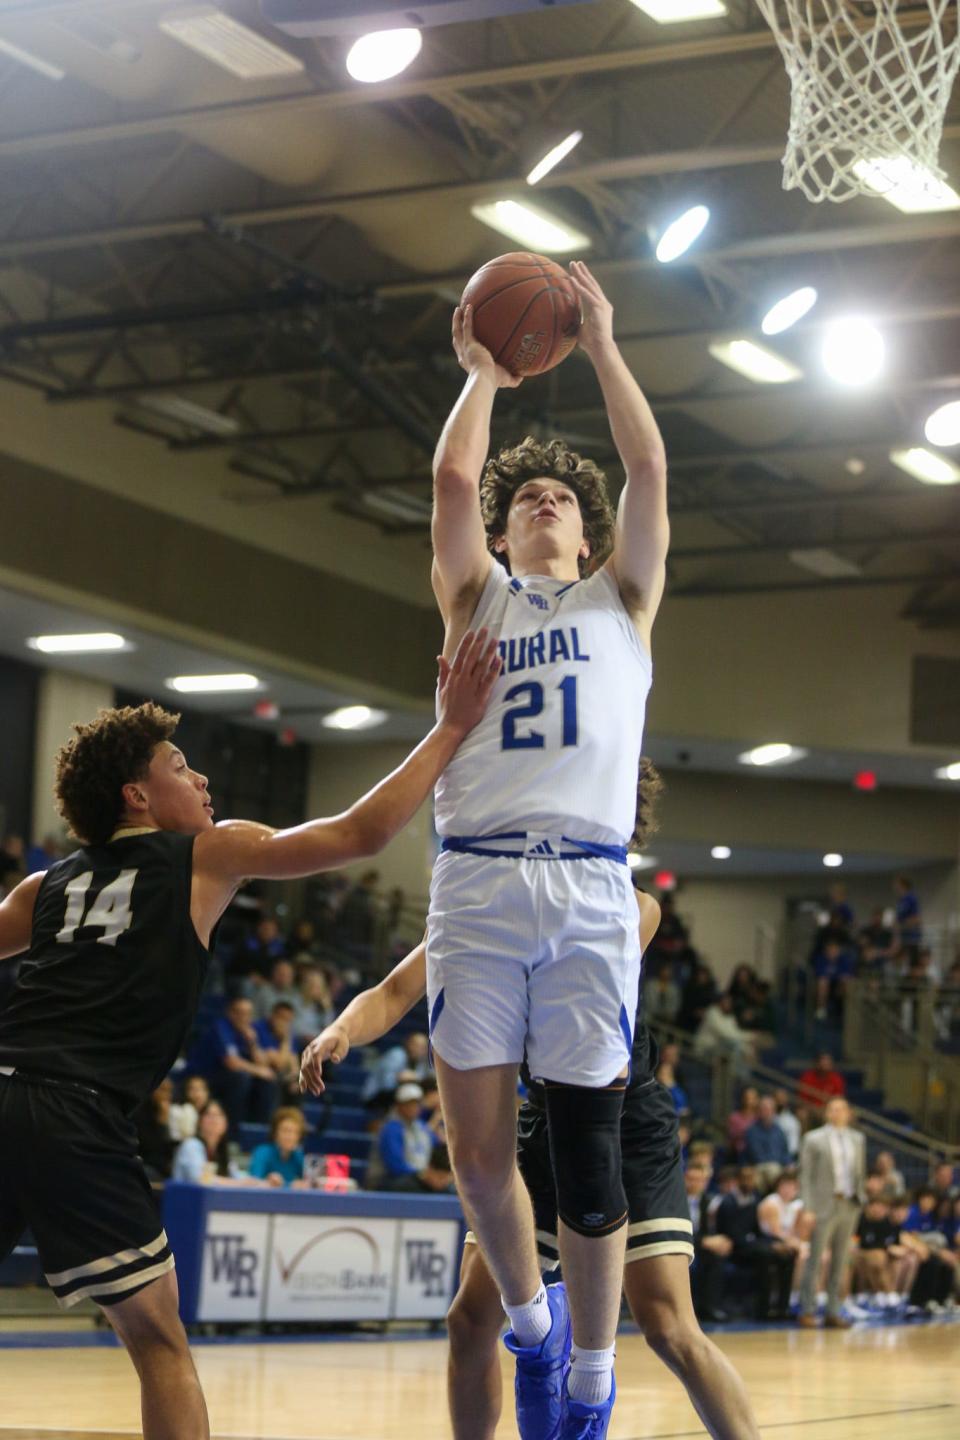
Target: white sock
x=530 y=1323
x=591 y=1375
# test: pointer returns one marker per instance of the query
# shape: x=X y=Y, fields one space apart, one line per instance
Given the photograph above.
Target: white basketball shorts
x=535 y=956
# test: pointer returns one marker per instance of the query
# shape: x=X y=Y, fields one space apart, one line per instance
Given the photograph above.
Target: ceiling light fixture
x=924 y=465
x=789 y=310
x=853 y=351
x=911 y=188
x=91 y=644
x=211 y=684
x=948 y=772
x=832 y=860
x=554 y=156
x=188 y=412
x=775 y=753
x=755 y=362
x=680 y=234
x=721 y=852
x=943 y=426
x=674 y=12
x=33 y=62
x=383 y=54
x=353 y=717
x=531 y=226
x=225 y=42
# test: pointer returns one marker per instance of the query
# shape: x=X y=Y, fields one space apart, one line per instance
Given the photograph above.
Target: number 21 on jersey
x=532 y=693
x=110 y=911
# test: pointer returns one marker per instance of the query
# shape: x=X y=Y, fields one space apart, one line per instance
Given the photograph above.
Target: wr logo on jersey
x=540 y=601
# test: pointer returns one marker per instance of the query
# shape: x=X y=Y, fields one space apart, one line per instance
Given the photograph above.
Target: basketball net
x=869 y=92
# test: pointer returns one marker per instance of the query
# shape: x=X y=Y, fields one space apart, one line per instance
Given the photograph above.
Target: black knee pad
x=584 y=1128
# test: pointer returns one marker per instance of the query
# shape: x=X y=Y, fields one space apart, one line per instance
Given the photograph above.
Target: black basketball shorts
x=69 y=1170
x=658 y=1214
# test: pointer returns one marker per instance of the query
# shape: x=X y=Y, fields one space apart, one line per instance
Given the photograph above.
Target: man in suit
x=833 y=1172
x=710 y=1251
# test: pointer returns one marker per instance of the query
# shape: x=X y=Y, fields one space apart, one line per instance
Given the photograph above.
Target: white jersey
x=558 y=749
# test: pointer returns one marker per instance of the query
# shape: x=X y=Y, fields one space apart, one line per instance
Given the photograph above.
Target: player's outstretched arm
x=16 y=916
x=643 y=532
x=462 y=560
x=240 y=849
x=367 y=1017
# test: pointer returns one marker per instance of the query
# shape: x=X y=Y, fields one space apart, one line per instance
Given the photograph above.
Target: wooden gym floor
x=897 y=1382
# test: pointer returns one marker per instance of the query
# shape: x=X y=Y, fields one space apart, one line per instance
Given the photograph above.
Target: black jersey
x=644 y=1059
x=110 y=987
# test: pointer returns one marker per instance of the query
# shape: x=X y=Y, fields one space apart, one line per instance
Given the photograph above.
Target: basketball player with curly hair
x=659 y=1232
x=117 y=937
x=532 y=942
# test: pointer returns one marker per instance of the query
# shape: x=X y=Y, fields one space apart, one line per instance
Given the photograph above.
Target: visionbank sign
x=307 y=1267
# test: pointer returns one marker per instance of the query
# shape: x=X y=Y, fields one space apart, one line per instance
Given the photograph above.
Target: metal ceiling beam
x=814 y=500
x=763 y=587
x=785 y=547
x=625 y=167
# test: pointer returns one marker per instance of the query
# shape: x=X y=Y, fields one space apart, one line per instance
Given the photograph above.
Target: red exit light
x=665 y=880
x=865 y=780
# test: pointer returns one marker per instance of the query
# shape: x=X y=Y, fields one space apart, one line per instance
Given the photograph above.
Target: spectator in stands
x=710 y=1250
x=819 y=1083
x=841 y=910
x=42 y=856
x=404 y=1149
x=303 y=946
x=667 y=1075
x=770 y=1261
x=719 y=1034
x=876 y=945
x=833 y=965
x=313 y=1007
x=908 y=927
x=671 y=944
x=879 y=1256
x=205 y=1158
x=357 y=918
x=740 y=991
x=765 y=1144
x=256 y=957
x=783 y=1218
x=698 y=994
x=789 y=1123
x=923 y=1229
x=740 y=1120
x=229 y=1056
x=156 y=1144
x=382 y=1080
x=184 y=1116
x=275 y=1040
x=833 y=1173
x=279 y=1160
x=907 y=1271
x=944 y=1180
x=431 y=1111
x=280 y=985
x=892 y=1179
x=661 y=997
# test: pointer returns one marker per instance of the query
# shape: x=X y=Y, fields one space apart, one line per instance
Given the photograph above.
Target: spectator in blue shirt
x=404 y=1149
x=228 y=1055
x=667 y=1075
x=381 y=1083
x=279 y=1161
x=275 y=1039
x=765 y=1145
x=909 y=925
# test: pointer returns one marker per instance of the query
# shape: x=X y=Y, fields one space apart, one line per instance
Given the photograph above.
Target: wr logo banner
x=231 y=1263
x=427 y=1266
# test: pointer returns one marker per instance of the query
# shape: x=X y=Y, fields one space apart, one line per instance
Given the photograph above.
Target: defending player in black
x=118 y=939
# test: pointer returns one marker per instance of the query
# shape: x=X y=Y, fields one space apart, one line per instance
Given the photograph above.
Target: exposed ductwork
x=313 y=18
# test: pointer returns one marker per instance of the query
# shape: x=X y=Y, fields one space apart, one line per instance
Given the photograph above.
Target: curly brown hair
x=93 y=767
x=649 y=789
x=554 y=460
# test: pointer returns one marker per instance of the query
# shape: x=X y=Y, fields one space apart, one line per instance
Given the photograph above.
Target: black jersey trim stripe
x=662 y=1247
x=135 y=1281
x=650 y=1227
x=110 y=1262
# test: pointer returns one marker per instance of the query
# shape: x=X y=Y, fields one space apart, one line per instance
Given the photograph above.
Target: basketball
x=525 y=311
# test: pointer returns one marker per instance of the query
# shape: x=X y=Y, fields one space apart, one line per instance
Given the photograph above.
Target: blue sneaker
x=587 y=1422
x=542 y=1373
